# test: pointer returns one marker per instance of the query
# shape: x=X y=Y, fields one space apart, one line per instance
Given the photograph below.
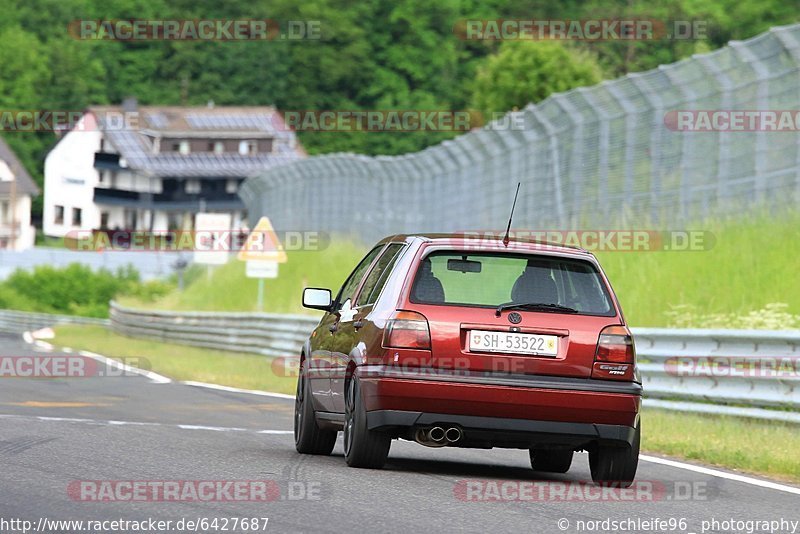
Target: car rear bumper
x=541 y=407
x=505 y=432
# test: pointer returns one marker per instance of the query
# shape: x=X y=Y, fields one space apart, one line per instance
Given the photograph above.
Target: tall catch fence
x=604 y=157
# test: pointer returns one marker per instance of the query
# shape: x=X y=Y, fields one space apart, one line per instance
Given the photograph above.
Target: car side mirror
x=317 y=298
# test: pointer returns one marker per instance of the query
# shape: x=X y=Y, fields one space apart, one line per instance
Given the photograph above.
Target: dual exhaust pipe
x=438 y=436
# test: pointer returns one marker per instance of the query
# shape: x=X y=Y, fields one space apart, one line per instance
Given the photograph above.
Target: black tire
x=615 y=466
x=308 y=437
x=362 y=447
x=550 y=461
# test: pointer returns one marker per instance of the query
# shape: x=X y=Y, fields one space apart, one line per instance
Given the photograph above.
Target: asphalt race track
x=59 y=434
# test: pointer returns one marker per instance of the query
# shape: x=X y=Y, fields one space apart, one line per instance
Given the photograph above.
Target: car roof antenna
x=506 y=238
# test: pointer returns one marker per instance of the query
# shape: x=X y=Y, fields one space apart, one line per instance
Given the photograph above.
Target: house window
x=5 y=212
x=231 y=186
x=103 y=220
x=192 y=187
x=217 y=147
x=131 y=219
x=77 y=216
x=247 y=148
x=183 y=147
x=58 y=217
x=174 y=220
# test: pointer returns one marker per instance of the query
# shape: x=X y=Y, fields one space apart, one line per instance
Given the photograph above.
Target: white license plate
x=512 y=342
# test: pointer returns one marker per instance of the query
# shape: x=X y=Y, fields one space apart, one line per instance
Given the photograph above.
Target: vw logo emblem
x=515 y=318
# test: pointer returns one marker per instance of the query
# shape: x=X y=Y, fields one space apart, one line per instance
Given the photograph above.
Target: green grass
x=228 y=289
x=761 y=447
x=42 y=240
x=752 y=264
x=748 y=279
x=179 y=362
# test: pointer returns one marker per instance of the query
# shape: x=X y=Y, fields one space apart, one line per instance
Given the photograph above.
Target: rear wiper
x=542 y=306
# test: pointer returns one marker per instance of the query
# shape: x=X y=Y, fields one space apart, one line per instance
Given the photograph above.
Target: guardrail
x=747 y=373
x=12 y=321
x=268 y=334
x=751 y=373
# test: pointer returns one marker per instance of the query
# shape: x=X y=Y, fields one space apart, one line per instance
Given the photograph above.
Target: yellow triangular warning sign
x=262 y=244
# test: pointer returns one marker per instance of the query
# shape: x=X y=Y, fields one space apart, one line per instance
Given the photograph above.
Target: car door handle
x=358 y=324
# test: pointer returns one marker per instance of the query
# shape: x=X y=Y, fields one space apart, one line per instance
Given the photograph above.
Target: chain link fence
x=599 y=157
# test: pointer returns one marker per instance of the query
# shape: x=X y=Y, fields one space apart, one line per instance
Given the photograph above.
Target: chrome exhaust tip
x=437 y=434
x=423 y=437
x=453 y=434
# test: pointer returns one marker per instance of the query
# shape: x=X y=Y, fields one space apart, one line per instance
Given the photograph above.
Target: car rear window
x=494 y=279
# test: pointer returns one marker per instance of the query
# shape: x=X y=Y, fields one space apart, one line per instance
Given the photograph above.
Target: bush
x=75 y=289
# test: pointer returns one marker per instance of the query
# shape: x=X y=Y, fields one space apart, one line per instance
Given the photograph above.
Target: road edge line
x=231 y=389
x=721 y=474
x=154 y=377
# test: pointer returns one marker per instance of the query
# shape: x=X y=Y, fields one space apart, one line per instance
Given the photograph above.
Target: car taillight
x=407 y=330
x=615 y=345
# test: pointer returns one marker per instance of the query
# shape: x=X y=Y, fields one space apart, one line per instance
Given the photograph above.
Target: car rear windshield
x=496 y=279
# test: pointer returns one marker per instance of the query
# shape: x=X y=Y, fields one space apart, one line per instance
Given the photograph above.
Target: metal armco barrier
x=268 y=334
x=12 y=321
x=747 y=373
x=752 y=373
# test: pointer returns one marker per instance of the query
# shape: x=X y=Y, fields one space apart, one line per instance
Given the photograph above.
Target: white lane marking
x=154 y=377
x=99 y=422
x=721 y=474
x=238 y=390
x=43 y=345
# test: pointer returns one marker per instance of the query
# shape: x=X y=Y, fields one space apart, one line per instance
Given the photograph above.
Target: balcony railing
x=166 y=201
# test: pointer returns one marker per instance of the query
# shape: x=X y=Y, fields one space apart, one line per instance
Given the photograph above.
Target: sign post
x=262 y=253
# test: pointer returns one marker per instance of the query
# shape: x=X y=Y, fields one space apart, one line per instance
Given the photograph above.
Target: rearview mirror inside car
x=464 y=266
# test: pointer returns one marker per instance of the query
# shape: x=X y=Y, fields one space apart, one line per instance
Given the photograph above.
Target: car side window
x=350 y=286
x=378 y=275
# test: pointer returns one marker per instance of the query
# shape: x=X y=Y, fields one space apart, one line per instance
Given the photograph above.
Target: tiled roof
x=25 y=184
x=203 y=122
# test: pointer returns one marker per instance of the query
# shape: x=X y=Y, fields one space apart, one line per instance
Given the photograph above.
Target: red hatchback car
x=449 y=340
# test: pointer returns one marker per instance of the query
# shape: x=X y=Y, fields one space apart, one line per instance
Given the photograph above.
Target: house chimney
x=130 y=105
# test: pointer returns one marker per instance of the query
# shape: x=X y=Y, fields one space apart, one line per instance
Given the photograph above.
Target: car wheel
x=308 y=437
x=550 y=461
x=362 y=447
x=616 y=466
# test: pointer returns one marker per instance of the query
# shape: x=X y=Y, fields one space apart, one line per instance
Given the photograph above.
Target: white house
x=154 y=168
x=17 y=190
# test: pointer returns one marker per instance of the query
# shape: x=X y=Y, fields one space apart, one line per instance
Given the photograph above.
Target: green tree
x=529 y=71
